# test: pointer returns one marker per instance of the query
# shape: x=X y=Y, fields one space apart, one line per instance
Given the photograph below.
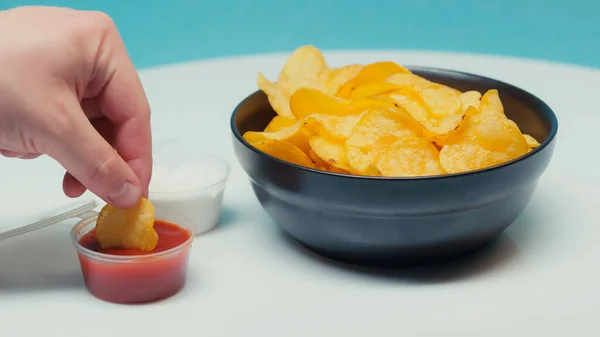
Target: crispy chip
x=276 y=97
x=127 y=228
x=371 y=127
x=337 y=170
x=295 y=134
x=409 y=156
x=362 y=161
x=306 y=101
x=318 y=161
x=332 y=153
x=411 y=81
x=279 y=122
x=441 y=102
x=332 y=126
x=369 y=135
x=373 y=103
x=435 y=129
x=339 y=76
x=374 y=89
x=372 y=73
x=531 y=142
x=491 y=105
x=305 y=68
x=285 y=151
x=470 y=98
x=412 y=102
x=484 y=140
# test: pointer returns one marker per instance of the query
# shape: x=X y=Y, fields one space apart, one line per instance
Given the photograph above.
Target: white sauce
x=184 y=179
x=192 y=191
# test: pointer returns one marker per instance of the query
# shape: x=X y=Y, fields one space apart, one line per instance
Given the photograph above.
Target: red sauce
x=139 y=280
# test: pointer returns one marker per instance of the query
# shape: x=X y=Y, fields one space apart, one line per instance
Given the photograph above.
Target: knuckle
x=99 y=20
x=55 y=127
x=105 y=169
x=60 y=123
x=90 y=26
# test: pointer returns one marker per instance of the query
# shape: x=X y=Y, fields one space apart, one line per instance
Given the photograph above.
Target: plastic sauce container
x=189 y=184
x=129 y=276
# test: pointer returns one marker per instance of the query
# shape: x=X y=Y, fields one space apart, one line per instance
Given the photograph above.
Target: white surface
x=246 y=280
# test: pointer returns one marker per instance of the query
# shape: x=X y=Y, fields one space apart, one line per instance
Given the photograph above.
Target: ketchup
x=145 y=277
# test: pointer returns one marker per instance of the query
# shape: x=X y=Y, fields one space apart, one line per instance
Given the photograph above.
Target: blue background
x=160 y=32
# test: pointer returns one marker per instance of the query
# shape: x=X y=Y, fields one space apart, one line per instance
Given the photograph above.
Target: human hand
x=69 y=90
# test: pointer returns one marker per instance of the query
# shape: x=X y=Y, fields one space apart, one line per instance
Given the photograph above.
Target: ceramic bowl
x=399 y=221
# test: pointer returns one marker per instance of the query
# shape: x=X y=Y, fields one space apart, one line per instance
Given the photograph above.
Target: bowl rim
x=435 y=70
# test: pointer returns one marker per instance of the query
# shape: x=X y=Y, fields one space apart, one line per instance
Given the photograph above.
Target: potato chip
x=412 y=102
x=435 y=129
x=470 y=98
x=332 y=153
x=491 y=105
x=373 y=89
x=402 y=117
x=441 y=102
x=409 y=156
x=371 y=127
x=127 y=228
x=468 y=156
x=277 y=99
x=484 y=140
x=415 y=82
x=305 y=68
x=319 y=163
x=498 y=133
x=332 y=126
x=372 y=73
x=369 y=135
x=285 y=151
x=279 y=122
x=295 y=134
x=334 y=169
x=531 y=142
x=306 y=101
x=361 y=161
x=339 y=76
x=373 y=103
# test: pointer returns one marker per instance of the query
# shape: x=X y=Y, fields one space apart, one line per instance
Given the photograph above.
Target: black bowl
x=399 y=221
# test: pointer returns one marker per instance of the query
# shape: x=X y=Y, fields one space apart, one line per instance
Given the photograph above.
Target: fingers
x=123 y=101
x=12 y=154
x=90 y=160
x=72 y=187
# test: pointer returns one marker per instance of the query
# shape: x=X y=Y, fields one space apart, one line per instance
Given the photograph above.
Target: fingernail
x=126 y=196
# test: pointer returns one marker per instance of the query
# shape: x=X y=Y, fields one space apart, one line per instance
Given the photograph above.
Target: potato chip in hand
x=127 y=228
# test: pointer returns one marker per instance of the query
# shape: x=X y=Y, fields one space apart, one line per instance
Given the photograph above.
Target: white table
x=246 y=279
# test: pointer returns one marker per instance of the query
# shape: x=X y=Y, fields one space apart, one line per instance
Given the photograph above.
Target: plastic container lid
x=82 y=209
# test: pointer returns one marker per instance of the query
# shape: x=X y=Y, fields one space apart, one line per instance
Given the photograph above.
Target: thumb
x=84 y=153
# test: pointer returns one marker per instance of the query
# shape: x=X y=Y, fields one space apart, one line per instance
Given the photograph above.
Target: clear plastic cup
x=133 y=278
x=189 y=183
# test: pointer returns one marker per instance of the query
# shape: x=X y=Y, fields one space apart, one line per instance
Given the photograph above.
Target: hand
x=69 y=90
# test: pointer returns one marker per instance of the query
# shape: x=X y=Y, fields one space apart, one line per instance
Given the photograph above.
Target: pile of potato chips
x=382 y=120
